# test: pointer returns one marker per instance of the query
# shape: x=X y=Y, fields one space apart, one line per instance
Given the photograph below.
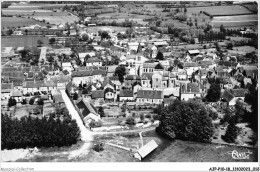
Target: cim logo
x=239 y=155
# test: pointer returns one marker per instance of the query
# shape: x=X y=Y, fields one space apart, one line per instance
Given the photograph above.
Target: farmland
x=221 y=10
x=16 y=22
x=23 y=41
x=56 y=19
x=236 y=21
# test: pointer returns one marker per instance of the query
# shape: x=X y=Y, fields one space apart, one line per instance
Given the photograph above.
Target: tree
x=159 y=56
x=120 y=72
x=85 y=37
x=239 y=111
x=229 y=45
x=186 y=121
x=142 y=117
x=52 y=41
x=130 y=121
x=41 y=102
x=218 y=47
x=31 y=101
x=28 y=132
x=214 y=93
x=158 y=23
x=50 y=59
x=75 y=96
x=9 y=32
x=39 y=42
x=231 y=133
x=24 y=102
x=101 y=111
x=11 y=102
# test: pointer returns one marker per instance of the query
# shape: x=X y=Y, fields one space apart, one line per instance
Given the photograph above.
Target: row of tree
x=35 y=132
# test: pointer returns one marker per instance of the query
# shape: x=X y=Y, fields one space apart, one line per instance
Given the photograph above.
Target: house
x=149 y=96
x=148 y=68
x=131 y=79
x=67 y=66
x=93 y=61
x=111 y=70
x=171 y=92
x=189 y=91
x=182 y=74
x=157 y=80
x=83 y=55
x=126 y=95
x=98 y=94
x=161 y=44
x=81 y=77
x=88 y=112
x=98 y=75
x=6 y=90
x=193 y=53
x=168 y=101
x=109 y=93
x=231 y=96
x=146 y=80
x=17 y=32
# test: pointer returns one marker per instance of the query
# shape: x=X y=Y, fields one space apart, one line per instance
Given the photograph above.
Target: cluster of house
x=162 y=81
x=151 y=82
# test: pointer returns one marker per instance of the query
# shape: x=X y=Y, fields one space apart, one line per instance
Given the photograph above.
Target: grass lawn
x=23 y=41
x=242 y=50
x=19 y=21
x=185 y=151
x=168 y=151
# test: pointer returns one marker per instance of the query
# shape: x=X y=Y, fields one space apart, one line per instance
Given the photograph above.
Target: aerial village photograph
x=129 y=81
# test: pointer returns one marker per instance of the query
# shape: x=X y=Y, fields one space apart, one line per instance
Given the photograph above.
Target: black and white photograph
x=139 y=82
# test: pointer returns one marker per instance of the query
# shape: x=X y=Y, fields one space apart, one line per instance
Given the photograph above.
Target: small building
x=149 y=96
x=93 y=62
x=125 y=95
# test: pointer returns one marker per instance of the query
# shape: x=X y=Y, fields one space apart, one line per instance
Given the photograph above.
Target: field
x=41 y=12
x=23 y=41
x=236 y=21
x=56 y=19
x=107 y=28
x=220 y=10
x=243 y=50
x=15 y=22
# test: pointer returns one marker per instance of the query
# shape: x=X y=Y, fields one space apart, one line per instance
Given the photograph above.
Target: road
x=86 y=135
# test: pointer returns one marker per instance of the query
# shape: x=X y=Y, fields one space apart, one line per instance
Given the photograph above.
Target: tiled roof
x=111 y=69
x=81 y=73
x=132 y=77
x=97 y=94
x=149 y=65
x=5 y=86
x=126 y=93
x=238 y=92
x=93 y=60
x=87 y=108
x=227 y=96
x=98 y=72
x=147 y=76
x=190 y=88
x=190 y=64
x=150 y=94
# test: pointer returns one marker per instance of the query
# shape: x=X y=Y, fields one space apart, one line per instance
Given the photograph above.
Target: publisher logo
x=239 y=155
